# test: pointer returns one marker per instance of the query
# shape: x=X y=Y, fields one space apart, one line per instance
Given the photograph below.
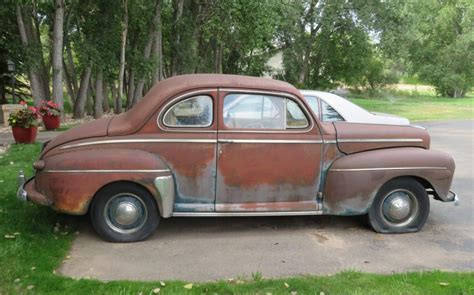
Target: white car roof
x=352 y=112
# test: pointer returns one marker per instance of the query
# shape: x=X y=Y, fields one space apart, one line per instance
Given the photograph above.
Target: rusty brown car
x=222 y=145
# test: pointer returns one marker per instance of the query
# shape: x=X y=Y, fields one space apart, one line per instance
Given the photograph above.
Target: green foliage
x=24 y=118
x=438 y=43
x=324 y=44
x=342 y=50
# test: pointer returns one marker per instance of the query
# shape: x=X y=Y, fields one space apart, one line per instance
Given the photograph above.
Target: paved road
x=220 y=248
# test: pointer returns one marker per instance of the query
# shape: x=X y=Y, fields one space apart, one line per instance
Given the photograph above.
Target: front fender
x=353 y=181
x=71 y=179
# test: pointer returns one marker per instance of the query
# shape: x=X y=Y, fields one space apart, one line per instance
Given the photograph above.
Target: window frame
x=172 y=104
x=309 y=119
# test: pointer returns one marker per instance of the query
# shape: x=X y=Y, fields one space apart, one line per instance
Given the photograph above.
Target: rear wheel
x=401 y=205
x=124 y=212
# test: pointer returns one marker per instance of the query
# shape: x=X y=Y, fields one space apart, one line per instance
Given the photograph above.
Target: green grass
x=417 y=105
x=37 y=250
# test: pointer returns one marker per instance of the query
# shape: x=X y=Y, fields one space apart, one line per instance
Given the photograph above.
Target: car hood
x=382 y=118
x=96 y=128
x=356 y=137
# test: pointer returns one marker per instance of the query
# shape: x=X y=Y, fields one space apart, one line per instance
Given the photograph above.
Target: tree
x=58 y=54
x=436 y=38
x=326 y=43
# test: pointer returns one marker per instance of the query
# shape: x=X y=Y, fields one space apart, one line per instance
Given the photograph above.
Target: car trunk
x=97 y=128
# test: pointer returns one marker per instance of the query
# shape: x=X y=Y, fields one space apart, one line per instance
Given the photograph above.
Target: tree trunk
x=138 y=94
x=218 y=59
x=131 y=88
x=81 y=98
x=58 y=54
x=105 y=102
x=304 y=71
x=71 y=67
x=70 y=91
x=99 y=92
x=122 y=50
x=34 y=28
x=117 y=102
x=178 y=12
x=158 y=48
x=35 y=85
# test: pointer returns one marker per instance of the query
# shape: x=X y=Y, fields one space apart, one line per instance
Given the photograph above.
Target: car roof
x=348 y=110
x=176 y=85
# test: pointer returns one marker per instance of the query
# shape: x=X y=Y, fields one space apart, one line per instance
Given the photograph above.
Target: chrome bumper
x=21 y=193
x=453 y=197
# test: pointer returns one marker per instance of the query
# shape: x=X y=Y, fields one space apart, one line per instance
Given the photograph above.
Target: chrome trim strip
x=106 y=171
x=269 y=141
x=185 y=140
x=162 y=140
x=329 y=141
x=244 y=214
x=387 y=168
x=194 y=207
x=361 y=140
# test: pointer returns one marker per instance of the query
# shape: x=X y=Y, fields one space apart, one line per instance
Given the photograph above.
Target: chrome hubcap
x=125 y=213
x=399 y=207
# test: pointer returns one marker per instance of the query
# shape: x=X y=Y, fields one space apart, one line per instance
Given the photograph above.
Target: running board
x=246 y=214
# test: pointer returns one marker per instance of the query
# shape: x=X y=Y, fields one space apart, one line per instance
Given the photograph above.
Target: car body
x=331 y=107
x=224 y=145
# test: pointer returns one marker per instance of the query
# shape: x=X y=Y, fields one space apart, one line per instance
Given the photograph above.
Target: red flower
x=23 y=103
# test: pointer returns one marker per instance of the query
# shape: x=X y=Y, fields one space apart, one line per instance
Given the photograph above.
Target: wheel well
x=425 y=183
x=116 y=182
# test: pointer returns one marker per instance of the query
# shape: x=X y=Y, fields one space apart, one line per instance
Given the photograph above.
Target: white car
x=330 y=107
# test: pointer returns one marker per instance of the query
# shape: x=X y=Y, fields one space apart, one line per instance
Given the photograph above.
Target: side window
x=329 y=114
x=253 y=111
x=195 y=111
x=295 y=117
x=313 y=104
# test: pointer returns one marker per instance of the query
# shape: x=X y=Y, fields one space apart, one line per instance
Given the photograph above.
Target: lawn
x=416 y=105
x=34 y=241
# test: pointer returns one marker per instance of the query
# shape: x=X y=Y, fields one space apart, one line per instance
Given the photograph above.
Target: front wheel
x=124 y=212
x=400 y=206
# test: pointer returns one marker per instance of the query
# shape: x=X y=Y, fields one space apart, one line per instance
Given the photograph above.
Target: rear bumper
x=452 y=197
x=27 y=192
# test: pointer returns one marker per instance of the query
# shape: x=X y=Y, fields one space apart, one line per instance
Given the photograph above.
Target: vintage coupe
x=222 y=145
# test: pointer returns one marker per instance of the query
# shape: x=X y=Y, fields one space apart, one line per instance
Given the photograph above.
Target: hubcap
x=400 y=207
x=125 y=213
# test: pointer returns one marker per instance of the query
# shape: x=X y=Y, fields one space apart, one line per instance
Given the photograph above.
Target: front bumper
x=27 y=192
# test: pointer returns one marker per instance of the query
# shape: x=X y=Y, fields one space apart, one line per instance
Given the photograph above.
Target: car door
x=187 y=141
x=269 y=153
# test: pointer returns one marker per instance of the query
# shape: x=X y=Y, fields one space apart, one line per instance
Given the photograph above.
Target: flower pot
x=25 y=135
x=51 y=122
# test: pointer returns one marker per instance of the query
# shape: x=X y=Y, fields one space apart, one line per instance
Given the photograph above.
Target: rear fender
x=354 y=180
x=71 y=179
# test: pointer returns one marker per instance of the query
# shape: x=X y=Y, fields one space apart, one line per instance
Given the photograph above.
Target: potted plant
x=24 y=124
x=51 y=115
